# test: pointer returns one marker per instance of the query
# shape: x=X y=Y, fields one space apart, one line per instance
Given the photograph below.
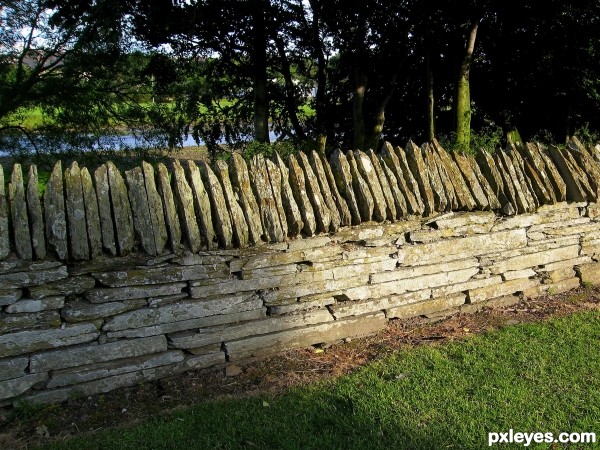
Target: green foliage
x=587 y=135
x=488 y=139
x=283 y=148
x=429 y=397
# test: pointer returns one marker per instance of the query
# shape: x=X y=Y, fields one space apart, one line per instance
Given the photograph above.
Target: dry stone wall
x=110 y=280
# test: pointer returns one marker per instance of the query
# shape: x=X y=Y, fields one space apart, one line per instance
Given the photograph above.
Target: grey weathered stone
x=589 y=273
x=298 y=186
x=92 y=214
x=140 y=209
x=462 y=193
x=343 y=180
x=184 y=199
x=202 y=206
x=393 y=162
x=531 y=155
x=292 y=212
x=78 y=239
x=81 y=311
x=402 y=209
x=171 y=217
x=516 y=274
x=471 y=180
x=160 y=275
x=33 y=278
x=17 y=386
x=275 y=177
x=219 y=211
x=73 y=357
x=342 y=206
x=509 y=174
x=103 y=295
x=11 y=323
x=238 y=221
x=13 y=367
x=105 y=210
x=364 y=197
x=157 y=216
x=36 y=217
x=493 y=200
x=426 y=307
x=345 y=308
x=121 y=209
x=504 y=192
x=8 y=297
x=269 y=214
x=322 y=213
x=557 y=182
x=537 y=178
x=535 y=259
x=65 y=287
x=304 y=337
x=585 y=161
x=33 y=341
x=391 y=210
x=243 y=189
x=146 y=317
x=412 y=272
x=418 y=170
x=319 y=171
x=26 y=305
x=368 y=174
x=206 y=336
x=4 y=231
x=458 y=220
x=56 y=218
x=519 y=167
x=445 y=177
x=575 y=191
x=18 y=209
x=442 y=202
x=500 y=290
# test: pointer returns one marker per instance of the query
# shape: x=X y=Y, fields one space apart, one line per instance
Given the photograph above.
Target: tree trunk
x=357 y=108
x=321 y=95
x=463 y=95
x=430 y=102
x=379 y=119
x=290 y=97
x=261 y=97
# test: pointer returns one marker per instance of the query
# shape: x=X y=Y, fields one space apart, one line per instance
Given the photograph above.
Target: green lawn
x=533 y=377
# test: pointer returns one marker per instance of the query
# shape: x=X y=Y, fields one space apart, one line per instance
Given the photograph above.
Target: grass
x=530 y=377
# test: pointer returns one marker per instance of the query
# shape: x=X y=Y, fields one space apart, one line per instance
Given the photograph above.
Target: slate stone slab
x=293 y=216
x=397 y=195
x=298 y=186
x=78 y=240
x=391 y=210
x=18 y=209
x=238 y=220
x=140 y=209
x=411 y=182
x=219 y=210
x=322 y=212
x=171 y=217
x=364 y=198
x=269 y=213
x=471 y=181
x=559 y=185
x=34 y=206
x=92 y=214
x=319 y=171
x=240 y=180
x=202 y=206
x=419 y=171
x=155 y=205
x=4 y=231
x=184 y=199
x=342 y=206
x=105 y=210
x=504 y=192
x=275 y=180
x=343 y=179
x=439 y=193
x=367 y=171
x=435 y=161
x=121 y=209
x=391 y=159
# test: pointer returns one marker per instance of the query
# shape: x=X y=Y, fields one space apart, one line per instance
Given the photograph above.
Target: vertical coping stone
x=298 y=185
x=184 y=199
x=386 y=189
x=492 y=174
x=364 y=198
x=471 y=180
x=55 y=215
x=531 y=154
x=76 y=213
x=243 y=189
x=238 y=221
x=522 y=178
x=418 y=170
x=342 y=206
x=219 y=211
x=105 y=210
x=439 y=193
x=18 y=209
x=365 y=167
x=319 y=171
x=399 y=199
x=292 y=211
x=140 y=209
x=342 y=175
x=487 y=189
x=275 y=179
x=322 y=213
x=558 y=184
x=259 y=179
x=410 y=180
x=92 y=215
x=437 y=164
x=507 y=170
x=122 y=210
x=36 y=217
x=171 y=216
x=157 y=215
x=4 y=232
x=202 y=206
x=390 y=157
